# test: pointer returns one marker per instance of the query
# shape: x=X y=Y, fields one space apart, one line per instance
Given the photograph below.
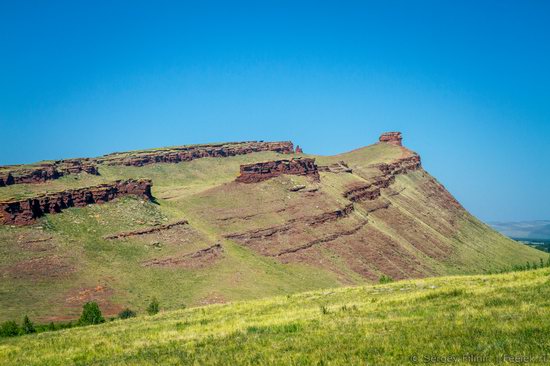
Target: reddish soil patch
x=43 y=268
x=213 y=298
x=76 y=298
x=35 y=242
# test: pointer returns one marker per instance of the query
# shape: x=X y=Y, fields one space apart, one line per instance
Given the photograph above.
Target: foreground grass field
x=490 y=319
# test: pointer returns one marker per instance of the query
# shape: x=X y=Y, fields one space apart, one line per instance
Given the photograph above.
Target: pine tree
x=91 y=314
x=27 y=326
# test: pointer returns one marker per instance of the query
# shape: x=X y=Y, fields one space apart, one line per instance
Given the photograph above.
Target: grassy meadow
x=488 y=319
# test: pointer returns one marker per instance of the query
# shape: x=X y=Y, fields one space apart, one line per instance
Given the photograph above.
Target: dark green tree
x=126 y=313
x=9 y=329
x=91 y=314
x=153 y=307
x=27 y=326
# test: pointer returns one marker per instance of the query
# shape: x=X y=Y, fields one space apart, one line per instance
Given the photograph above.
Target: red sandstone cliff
x=187 y=153
x=258 y=172
x=25 y=211
x=372 y=190
x=19 y=174
x=393 y=138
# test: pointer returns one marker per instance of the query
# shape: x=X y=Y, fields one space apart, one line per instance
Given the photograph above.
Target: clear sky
x=467 y=83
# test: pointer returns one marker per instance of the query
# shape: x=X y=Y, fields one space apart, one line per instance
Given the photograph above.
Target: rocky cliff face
x=258 y=172
x=24 y=212
x=393 y=138
x=19 y=174
x=371 y=191
x=187 y=153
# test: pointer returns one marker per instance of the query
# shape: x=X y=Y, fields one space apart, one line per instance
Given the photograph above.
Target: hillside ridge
x=227 y=222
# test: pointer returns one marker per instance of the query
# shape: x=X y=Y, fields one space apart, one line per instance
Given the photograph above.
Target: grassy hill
x=488 y=319
x=272 y=238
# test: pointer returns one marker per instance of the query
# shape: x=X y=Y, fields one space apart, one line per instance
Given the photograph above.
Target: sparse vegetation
x=126 y=314
x=385 y=279
x=153 y=307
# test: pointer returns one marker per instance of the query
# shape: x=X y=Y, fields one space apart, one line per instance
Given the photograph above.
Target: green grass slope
x=413 y=230
x=491 y=319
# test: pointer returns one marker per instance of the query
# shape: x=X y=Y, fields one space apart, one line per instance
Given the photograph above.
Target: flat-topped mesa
x=258 y=172
x=187 y=153
x=20 y=174
x=39 y=173
x=24 y=212
x=392 y=138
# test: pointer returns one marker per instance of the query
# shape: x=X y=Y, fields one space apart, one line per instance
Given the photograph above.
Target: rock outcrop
x=400 y=166
x=24 y=212
x=198 y=259
x=299 y=150
x=339 y=167
x=258 y=172
x=393 y=138
x=19 y=174
x=372 y=190
x=187 y=153
x=149 y=230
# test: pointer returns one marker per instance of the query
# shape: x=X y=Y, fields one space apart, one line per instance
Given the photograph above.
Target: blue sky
x=467 y=83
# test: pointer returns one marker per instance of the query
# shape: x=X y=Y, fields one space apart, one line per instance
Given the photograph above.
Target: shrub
x=385 y=279
x=27 y=326
x=153 y=307
x=127 y=313
x=91 y=314
x=9 y=329
x=324 y=309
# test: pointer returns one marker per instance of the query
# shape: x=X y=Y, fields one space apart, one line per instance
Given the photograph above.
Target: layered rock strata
x=187 y=153
x=258 y=172
x=372 y=190
x=24 y=212
x=149 y=230
x=19 y=174
x=393 y=138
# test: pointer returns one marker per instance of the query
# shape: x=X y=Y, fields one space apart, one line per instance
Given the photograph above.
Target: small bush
x=127 y=313
x=27 y=327
x=385 y=279
x=91 y=314
x=9 y=329
x=153 y=307
x=324 y=309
